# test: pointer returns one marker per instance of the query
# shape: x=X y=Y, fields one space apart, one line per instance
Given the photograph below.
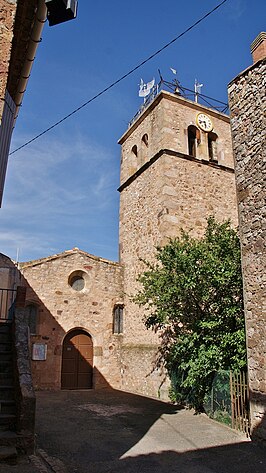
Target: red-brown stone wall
x=62 y=309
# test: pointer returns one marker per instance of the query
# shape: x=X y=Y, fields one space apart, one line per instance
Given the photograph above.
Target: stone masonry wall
x=140 y=372
x=165 y=122
x=25 y=393
x=248 y=103
x=61 y=309
x=171 y=192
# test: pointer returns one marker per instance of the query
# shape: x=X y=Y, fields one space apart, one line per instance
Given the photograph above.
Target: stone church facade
x=69 y=294
x=176 y=170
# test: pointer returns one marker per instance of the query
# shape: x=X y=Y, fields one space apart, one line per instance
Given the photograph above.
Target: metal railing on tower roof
x=176 y=88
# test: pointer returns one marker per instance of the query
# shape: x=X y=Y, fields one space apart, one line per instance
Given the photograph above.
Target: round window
x=77 y=281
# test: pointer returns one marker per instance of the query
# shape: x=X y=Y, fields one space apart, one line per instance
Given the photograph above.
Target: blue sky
x=61 y=190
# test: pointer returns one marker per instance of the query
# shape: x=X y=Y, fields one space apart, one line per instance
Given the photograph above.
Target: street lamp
x=59 y=11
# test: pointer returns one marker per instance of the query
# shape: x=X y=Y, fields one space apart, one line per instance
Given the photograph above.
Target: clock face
x=204 y=122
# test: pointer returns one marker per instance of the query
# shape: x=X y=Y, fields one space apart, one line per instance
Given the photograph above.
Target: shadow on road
x=112 y=431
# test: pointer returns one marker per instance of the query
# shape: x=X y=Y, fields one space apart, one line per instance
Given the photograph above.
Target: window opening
x=135 y=150
x=77 y=283
x=118 y=319
x=212 y=146
x=77 y=280
x=192 y=140
x=145 y=139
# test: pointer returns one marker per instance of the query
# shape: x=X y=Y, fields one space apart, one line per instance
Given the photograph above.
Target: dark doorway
x=77 y=361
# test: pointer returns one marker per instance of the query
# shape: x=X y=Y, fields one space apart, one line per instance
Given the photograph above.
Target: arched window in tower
x=144 y=149
x=193 y=136
x=31 y=317
x=118 y=319
x=134 y=150
x=145 y=140
x=212 y=146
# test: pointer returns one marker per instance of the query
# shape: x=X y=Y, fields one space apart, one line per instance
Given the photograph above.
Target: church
x=177 y=169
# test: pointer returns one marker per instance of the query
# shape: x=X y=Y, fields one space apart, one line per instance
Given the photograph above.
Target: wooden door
x=77 y=361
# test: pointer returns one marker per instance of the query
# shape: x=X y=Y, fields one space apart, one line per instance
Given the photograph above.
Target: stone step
x=5 y=338
x=8 y=437
x=7 y=392
x=7 y=421
x=8 y=453
x=6 y=355
x=6 y=380
x=7 y=406
x=5 y=328
x=6 y=366
x=7 y=346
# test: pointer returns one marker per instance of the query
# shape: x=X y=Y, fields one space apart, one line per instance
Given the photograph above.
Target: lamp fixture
x=59 y=11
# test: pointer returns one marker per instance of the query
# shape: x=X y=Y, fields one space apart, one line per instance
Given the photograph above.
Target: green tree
x=193 y=297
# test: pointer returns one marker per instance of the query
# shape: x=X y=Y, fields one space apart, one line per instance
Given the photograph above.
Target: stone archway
x=77 y=360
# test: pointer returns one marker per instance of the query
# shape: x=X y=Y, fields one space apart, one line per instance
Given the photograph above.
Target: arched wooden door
x=77 y=361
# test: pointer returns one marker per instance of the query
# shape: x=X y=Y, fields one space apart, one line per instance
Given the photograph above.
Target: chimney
x=258 y=47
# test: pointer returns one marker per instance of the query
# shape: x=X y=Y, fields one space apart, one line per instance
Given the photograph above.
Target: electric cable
x=138 y=66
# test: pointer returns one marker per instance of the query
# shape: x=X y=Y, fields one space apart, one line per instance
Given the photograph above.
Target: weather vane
x=176 y=81
x=197 y=89
x=145 y=89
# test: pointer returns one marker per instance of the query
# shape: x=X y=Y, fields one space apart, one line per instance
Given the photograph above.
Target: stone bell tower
x=176 y=170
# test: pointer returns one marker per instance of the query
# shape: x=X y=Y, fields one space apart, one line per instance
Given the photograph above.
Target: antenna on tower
x=17 y=257
x=197 y=89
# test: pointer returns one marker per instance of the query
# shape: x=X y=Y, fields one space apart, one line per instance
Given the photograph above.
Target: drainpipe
x=35 y=39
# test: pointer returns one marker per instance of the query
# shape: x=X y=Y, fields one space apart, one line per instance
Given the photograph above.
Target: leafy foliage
x=193 y=295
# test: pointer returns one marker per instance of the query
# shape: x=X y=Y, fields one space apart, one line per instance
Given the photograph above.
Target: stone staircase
x=17 y=397
x=9 y=439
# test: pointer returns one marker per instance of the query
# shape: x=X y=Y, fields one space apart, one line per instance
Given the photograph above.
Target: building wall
x=168 y=191
x=7 y=19
x=247 y=103
x=7 y=272
x=62 y=309
x=10 y=277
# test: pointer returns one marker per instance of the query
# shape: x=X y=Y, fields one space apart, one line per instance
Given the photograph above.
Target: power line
x=121 y=78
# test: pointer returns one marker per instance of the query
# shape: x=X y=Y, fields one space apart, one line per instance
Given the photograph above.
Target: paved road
x=109 y=431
